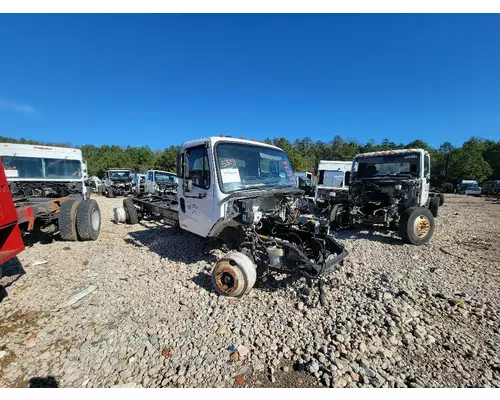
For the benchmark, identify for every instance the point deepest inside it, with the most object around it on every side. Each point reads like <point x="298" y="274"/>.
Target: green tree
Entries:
<point x="468" y="162"/>
<point x="167" y="160"/>
<point x="492" y="157"/>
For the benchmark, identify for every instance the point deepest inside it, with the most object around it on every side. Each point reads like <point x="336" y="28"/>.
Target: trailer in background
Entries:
<point x="47" y="187"/>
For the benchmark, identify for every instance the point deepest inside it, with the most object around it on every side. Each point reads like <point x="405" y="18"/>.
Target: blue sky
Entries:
<point x="158" y="80"/>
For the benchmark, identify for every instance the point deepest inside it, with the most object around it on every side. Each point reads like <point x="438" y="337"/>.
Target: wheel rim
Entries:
<point x="422" y="226"/>
<point x="228" y="278"/>
<point x="96" y="220"/>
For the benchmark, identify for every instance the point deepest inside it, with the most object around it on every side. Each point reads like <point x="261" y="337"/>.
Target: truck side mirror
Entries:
<point x="180" y="162"/>
<point x="185" y="166"/>
<point x="188" y="185"/>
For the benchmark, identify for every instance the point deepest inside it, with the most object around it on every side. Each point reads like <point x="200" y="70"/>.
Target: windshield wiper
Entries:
<point x="14" y="156"/>
<point x="406" y="173"/>
<point x="56" y="162"/>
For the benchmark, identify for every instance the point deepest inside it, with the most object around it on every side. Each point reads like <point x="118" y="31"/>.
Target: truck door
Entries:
<point x="426" y="181"/>
<point x="150" y="181"/>
<point x="196" y="206"/>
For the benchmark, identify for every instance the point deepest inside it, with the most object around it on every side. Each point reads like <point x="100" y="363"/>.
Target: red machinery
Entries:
<point x="11" y="241"/>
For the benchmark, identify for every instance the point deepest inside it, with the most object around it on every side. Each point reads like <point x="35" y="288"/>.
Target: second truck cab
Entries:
<point x="332" y="183"/>
<point x="391" y="189"/>
<point x="159" y="180"/>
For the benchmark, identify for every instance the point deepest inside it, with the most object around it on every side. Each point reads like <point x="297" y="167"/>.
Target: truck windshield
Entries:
<point x="407" y="164"/>
<point x="244" y="166"/>
<point x="119" y="175"/>
<point x="332" y="178"/>
<point x="165" y="177"/>
<point x="42" y="168"/>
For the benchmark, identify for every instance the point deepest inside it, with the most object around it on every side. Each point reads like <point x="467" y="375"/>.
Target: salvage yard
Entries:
<point x="137" y="308"/>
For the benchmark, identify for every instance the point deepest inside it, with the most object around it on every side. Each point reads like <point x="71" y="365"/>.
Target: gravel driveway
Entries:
<point x="136" y="308"/>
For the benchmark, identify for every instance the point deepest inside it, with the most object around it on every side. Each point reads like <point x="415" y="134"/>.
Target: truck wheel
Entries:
<point x="234" y="275"/>
<point x="338" y="217"/>
<point x="131" y="211"/>
<point x="88" y="220"/>
<point x="434" y="206"/>
<point x="67" y="220"/>
<point x="441" y="199"/>
<point x="111" y="193"/>
<point x="417" y="225"/>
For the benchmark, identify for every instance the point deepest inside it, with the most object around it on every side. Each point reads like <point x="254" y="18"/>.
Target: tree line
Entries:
<point x="477" y="158"/>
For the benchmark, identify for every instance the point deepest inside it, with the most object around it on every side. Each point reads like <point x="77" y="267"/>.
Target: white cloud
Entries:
<point x="21" y="108"/>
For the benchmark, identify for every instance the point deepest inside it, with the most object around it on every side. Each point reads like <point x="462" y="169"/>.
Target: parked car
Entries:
<point x="463" y="188"/>
<point x="473" y="190"/>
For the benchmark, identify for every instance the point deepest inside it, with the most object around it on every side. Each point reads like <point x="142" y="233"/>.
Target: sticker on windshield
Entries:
<point x="289" y="172"/>
<point x="230" y="163"/>
<point x="230" y="175"/>
<point x="11" y="173"/>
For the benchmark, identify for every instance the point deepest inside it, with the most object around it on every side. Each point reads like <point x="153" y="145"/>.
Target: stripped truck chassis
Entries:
<point x="297" y="247"/>
<point x="72" y="218"/>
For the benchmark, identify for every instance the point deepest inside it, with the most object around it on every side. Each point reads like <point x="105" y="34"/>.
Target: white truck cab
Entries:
<point x="214" y="169"/>
<point x="29" y="165"/>
<point x="156" y="178"/>
<point x="332" y="182"/>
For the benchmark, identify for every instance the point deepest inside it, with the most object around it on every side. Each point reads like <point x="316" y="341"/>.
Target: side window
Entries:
<point x="426" y="165"/>
<point x="150" y="176"/>
<point x="321" y="177"/>
<point x="199" y="170"/>
<point x="347" y="178"/>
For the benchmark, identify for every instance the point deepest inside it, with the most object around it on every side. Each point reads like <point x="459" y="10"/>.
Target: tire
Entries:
<point x="234" y="275"/>
<point x="434" y="206"/>
<point x="67" y="220"/>
<point x="338" y="217"/>
<point x="131" y="211"/>
<point x="412" y="221"/>
<point x="111" y="193"/>
<point x="88" y="220"/>
<point x="441" y="199"/>
<point x="333" y="216"/>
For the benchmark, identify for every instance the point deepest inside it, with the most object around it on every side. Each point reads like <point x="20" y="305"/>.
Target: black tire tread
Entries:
<point x="434" y="206"/>
<point x="131" y="211"/>
<point x="67" y="220"/>
<point x="84" y="220"/>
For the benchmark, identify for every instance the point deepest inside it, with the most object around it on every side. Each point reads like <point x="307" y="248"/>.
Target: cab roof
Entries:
<point x="227" y="139"/>
<point x="391" y="152"/>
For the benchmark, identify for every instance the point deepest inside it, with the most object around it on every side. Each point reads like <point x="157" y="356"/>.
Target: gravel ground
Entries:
<point x="396" y="315"/>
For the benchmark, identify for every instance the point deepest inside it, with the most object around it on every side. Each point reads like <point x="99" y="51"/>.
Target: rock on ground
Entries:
<point x="396" y="316"/>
